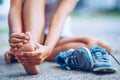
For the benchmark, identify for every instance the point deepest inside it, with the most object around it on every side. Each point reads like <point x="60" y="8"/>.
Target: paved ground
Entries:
<point x="104" y="28"/>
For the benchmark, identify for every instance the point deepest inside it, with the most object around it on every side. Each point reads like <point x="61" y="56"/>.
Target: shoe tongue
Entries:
<point x="95" y="49"/>
<point x="60" y="59"/>
<point x="62" y="56"/>
<point x="63" y="62"/>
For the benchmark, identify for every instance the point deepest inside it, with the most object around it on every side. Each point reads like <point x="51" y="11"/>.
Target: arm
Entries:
<point x="15" y="24"/>
<point x="42" y="52"/>
<point x="14" y="18"/>
<point x="33" y="17"/>
<point x="56" y="26"/>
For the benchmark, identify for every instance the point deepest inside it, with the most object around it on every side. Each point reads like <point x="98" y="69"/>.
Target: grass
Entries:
<point x="6" y="44"/>
<point x="116" y="51"/>
<point x="4" y="30"/>
<point x="95" y="15"/>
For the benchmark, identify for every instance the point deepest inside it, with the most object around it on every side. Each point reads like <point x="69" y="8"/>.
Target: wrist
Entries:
<point x="13" y="32"/>
<point x="46" y="49"/>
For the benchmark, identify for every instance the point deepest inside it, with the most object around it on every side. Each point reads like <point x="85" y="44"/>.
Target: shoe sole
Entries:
<point x="87" y="59"/>
<point x="105" y="70"/>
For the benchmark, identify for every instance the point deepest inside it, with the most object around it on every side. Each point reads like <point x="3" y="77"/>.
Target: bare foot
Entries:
<point x="29" y="47"/>
<point x="9" y="57"/>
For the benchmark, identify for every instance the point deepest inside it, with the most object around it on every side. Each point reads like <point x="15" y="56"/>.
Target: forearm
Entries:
<point x="56" y="26"/>
<point x="14" y="17"/>
<point x="33" y="17"/>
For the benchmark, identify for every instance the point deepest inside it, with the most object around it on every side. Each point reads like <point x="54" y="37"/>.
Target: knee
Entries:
<point x="105" y="45"/>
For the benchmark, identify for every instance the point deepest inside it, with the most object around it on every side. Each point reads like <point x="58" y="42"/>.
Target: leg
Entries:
<point x="35" y="25"/>
<point x="65" y="44"/>
<point x="33" y="19"/>
<point x="31" y="23"/>
<point x="15" y="26"/>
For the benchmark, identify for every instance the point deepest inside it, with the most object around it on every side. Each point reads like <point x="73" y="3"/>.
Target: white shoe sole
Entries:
<point x="105" y="69"/>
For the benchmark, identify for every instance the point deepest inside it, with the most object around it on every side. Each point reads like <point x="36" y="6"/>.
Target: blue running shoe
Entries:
<point x="101" y="60"/>
<point x="78" y="59"/>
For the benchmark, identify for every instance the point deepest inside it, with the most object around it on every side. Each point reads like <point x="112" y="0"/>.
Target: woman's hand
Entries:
<point x="36" y="57"/>
<point x="17" y="40"/>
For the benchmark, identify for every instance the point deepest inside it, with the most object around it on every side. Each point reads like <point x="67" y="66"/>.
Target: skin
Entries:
<point x="26" y="19"/>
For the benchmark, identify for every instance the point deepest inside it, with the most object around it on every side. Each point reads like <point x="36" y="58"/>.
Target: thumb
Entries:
<point x="28" y="34"/>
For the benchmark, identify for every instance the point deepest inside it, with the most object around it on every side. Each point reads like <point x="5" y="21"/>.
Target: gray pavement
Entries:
<point x="103" y="28"/>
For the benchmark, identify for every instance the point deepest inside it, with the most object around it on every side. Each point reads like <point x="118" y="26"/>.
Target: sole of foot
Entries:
<point x="29" y="47"/>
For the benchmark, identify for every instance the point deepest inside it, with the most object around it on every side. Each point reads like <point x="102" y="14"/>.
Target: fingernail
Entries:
<point x="25" y="41"/>
<point x="26" y="37"/>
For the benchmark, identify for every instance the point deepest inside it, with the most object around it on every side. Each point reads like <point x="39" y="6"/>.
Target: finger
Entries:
<point x="37" y="45"/>
<point x="14" y="49"/>
<point x="24" y="56"/>
<point x="19" y="45"/>
<point x="27" y="54"/>
<point x="24" y="63"/>
<point x="35" y="63"/>
<point x="33" y="58"/>
<point x="25" y="41"/>
<point x="12" y="45"/>
<point x="34" y="55"/>
<point x="19" y="35"/>
<point x="31" y="54"/>
<point x="15" y="40"/>
<point x="30" y="59"/>
<point x="28" y="34"/>
<point x="32" y="63"/>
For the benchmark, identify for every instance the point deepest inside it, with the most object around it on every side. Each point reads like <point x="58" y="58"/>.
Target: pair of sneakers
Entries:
<point x="96" y="59"/>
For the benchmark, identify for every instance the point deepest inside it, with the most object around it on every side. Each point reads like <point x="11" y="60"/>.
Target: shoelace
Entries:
<point x="111" y="55"/>
<point x="99" y="56"/>
<point x="72" y="60"/>
<point x="115" y="59"/>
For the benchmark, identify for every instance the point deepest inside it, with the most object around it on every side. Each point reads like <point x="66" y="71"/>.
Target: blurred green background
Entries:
<point x="97" y="18"/>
